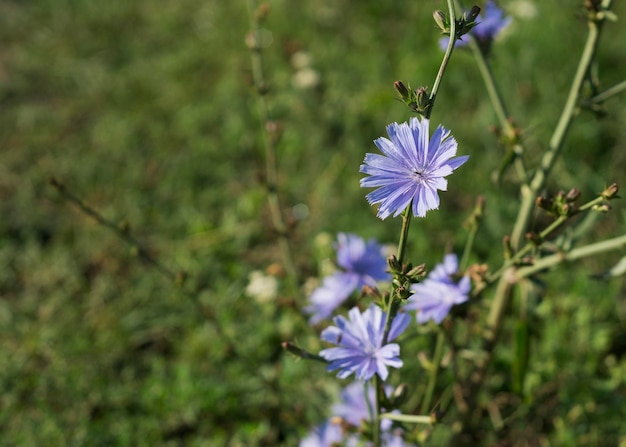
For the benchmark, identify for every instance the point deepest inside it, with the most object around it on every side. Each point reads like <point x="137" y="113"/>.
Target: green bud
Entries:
<point x="473" y="14"/>
<point x="442" y="21"/>
<point x="544" y="203"/>
<point x="610" y="192"/>
<point x="422" y="100"/>
<point x="572" y="195"/>
<point x="404" y="92"/>
<point x="602" y="208"/>
<point x="593" y="5"/>
<point x="468" y="21"/>
<point x="416" y="273"/>
<point x="262" y="12"/>
<point x="394" y="265"/>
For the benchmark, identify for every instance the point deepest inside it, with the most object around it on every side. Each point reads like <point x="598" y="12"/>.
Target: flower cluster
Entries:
<point x="362" y="263"/>
<point x="407" y="177"/>
<point x="434" y="297"/>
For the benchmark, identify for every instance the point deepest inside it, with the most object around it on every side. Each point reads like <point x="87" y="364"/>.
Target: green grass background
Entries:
<point x="144" y="109"/>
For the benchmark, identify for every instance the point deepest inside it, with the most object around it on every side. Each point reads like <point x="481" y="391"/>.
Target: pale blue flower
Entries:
<point x="412" y="168"/>
<point x="327" y="434"/>
<point x="360" y="340"/>
<point x="354" y="410"/>
<point x="363" y="263"/>
<point x="434" y="297"/>
<point x="355" y="404"/>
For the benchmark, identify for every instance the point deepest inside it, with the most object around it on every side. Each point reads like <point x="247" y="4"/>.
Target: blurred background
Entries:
<point x="145" y="111"/>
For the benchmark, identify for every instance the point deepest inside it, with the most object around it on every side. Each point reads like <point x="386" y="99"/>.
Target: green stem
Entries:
<point x="473" y="222"/>
<point x="394" y="303"/>
<point x="558" y="137"/>
<point x="404" y="233"/>
<point x="378" y="388"/>
<point x="508" y="276"/>
<point x="617" y="243"/>
<point x="542" y="235"/>
<point x="499" y="108"/>
<point x="409" y="418"/>
<point x="390" y="312"/>
<point x="607" y="94"/>
<point x="433" y="373"/>
<point x="446" y="59"/>
<point x="467" y="250"/>
<point x="271" y="164"/>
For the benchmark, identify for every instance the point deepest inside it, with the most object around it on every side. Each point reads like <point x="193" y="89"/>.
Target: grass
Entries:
<point x="145" y="111"/>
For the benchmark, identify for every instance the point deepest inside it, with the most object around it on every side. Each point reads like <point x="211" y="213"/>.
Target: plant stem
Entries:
<point x="446" y="59"/>
<point x="617" y="243"/>
<point x="607" y="94"/>
<point x="519" y="255"/>
<point x="271" y="164"/>
<point x="473" y="222"/>
<point x="558" y="137"/>
<point x="390" y="313"/>
<point x="499" y="108"/>
<point x="434" y="371"/>
<point x="404" y="233"/>
<point x="508" y="276"/>
<point x="378" y="388"/>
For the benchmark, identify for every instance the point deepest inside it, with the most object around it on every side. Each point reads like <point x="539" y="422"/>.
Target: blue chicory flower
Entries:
<point x="489" y="25"/>
<point x="330" y="434"/>
<point x="354" y="408"/>
<point x="327" y="434"/>
<point x="363" y="263"/>
<point x="360" y="341"/>
<point x="434" y="297"/>
<point x="412" y="169"/>
<point x="356" y="404"/>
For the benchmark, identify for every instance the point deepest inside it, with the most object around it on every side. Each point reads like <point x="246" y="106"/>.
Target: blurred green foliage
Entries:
<point x="145" y="110"/>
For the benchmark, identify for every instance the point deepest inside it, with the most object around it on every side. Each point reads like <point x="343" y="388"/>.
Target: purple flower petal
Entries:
<point x="434" y="297"/>
<point x="363" y="263"/>
<point x="360" y="350"/>
<point x="411" y="169"/>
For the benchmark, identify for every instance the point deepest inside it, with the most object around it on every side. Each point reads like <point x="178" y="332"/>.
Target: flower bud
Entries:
<point x="602" y="208"/>
<point x="473" y="13"/>
<point x="262" y="12"/>
<point x="593" y="5"/>
<point x="544" y="203"/>
<point x="422" y="100"/>
<point x="417" y="273"/>
<point x="468" y="21"/>
<point x="442" y="21"/>
<point x="610" y="192"/>
<point x="404" y="92"/>
<point x="394" y="264"/>
<point x="572" y="195"/>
